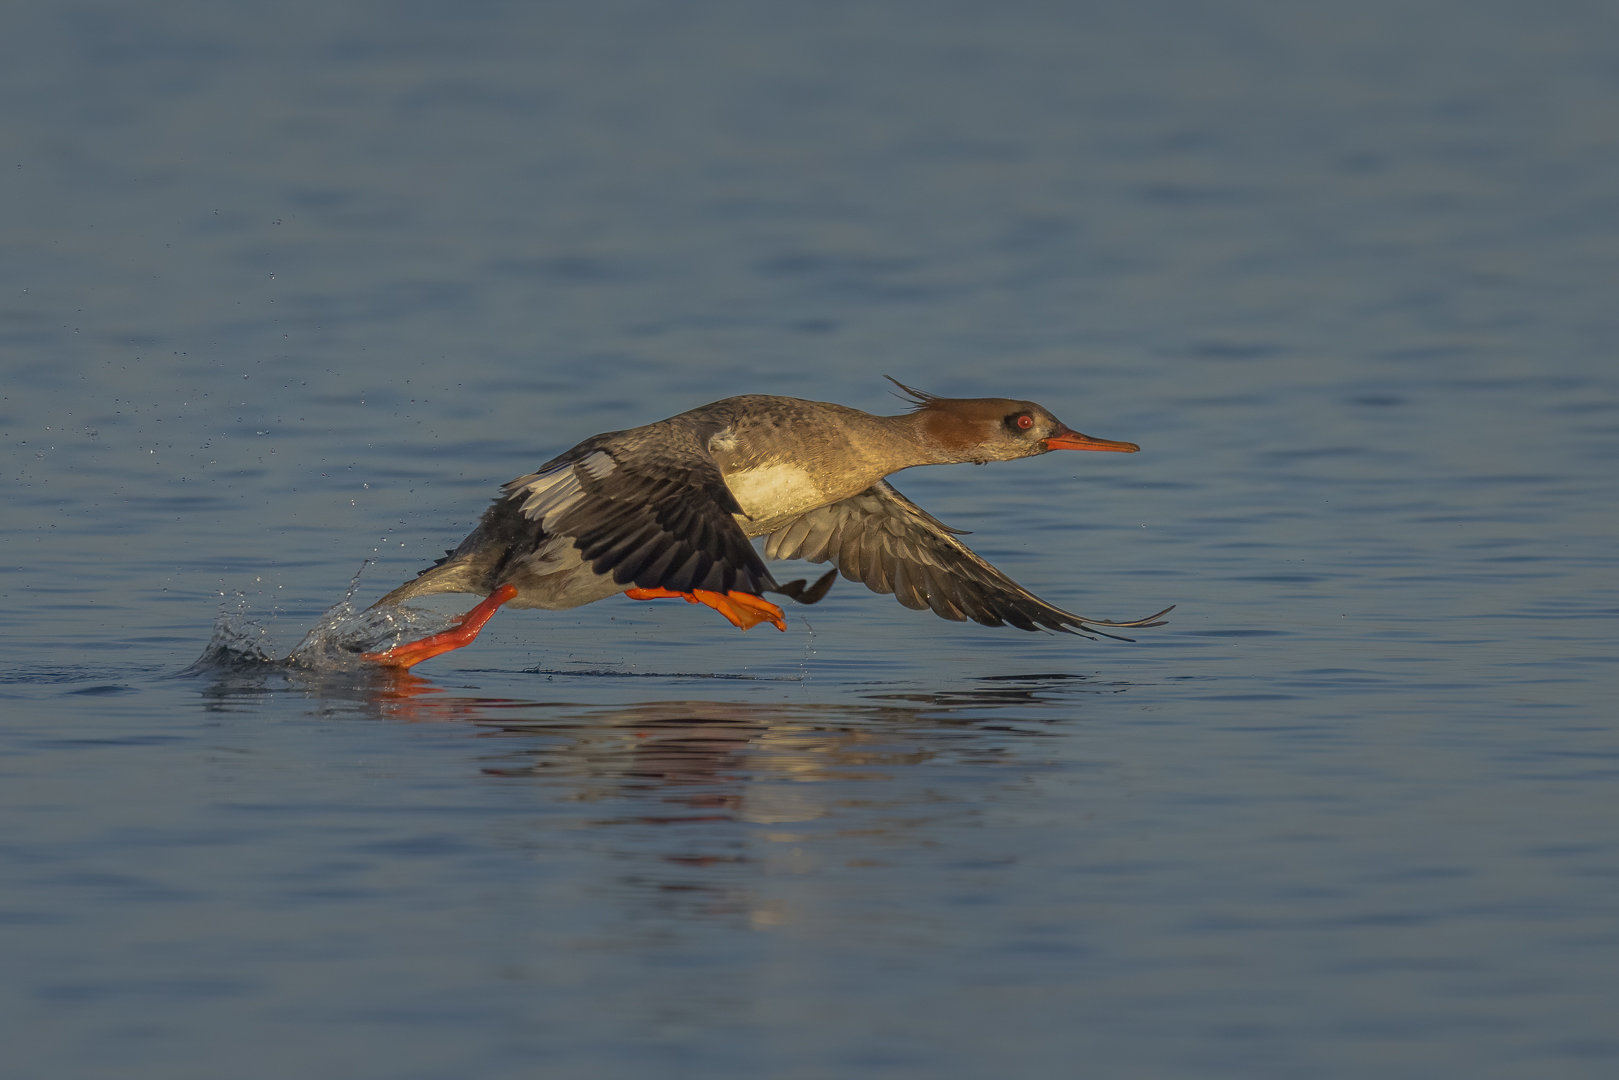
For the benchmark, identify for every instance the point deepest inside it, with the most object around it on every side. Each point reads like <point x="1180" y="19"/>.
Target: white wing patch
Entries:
<point x="597" y="464"/>
<point x="551" y="494"/>
<point x="771" y="491"/>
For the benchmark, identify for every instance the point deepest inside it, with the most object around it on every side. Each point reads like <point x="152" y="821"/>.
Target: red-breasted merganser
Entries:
<point x="669" y="509"/>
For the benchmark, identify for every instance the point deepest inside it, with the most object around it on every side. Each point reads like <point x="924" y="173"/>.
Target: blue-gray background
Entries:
<point x="291" y="285"/>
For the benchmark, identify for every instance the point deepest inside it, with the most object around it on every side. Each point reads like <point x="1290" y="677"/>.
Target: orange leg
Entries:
<point x="461" y="632"/>
<point x="743" y="609"/>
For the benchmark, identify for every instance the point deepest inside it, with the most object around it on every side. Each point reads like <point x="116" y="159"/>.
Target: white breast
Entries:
<point x="770" y="491"/>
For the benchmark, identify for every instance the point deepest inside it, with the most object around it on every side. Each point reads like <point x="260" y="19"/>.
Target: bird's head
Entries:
<point x="997" y="429"/>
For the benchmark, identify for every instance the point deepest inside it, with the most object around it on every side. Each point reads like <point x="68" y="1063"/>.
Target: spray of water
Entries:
<point x="333" y="644"/>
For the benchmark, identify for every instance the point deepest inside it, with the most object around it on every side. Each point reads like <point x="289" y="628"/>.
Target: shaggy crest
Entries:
<point x="919" y="398"/>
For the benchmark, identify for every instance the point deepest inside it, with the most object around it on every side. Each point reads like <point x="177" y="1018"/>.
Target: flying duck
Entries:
<point x="669" y="509"/>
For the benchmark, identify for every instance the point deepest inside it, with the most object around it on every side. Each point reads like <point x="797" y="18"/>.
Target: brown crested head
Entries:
<point x="995" y="429"/>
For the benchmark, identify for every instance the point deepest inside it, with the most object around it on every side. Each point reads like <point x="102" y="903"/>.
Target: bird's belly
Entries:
<point x="555" y="578"/>
<point x="773" y="491"/>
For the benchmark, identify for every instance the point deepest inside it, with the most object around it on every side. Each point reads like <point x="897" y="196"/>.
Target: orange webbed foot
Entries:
<point x="744" y="610"/>
<point x="461" y="633"/>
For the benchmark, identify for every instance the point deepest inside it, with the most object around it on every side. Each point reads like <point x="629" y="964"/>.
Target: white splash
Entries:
<point x="335" y="643"/>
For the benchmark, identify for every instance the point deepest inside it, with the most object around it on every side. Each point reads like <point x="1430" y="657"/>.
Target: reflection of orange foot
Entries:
<point x="462" y="632"/>
<point x="743" y="609"/>
<point x="398" y="684"/>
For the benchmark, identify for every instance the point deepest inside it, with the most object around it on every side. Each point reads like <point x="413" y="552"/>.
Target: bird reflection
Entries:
<point x="704" y="802"/>
<point x="700" y="803"/>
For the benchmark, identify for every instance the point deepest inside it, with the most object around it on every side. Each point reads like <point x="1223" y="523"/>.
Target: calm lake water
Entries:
<point x="293" y="286"/>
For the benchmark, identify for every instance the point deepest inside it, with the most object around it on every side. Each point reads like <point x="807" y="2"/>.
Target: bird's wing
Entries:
<point x="881" y="538"/>
<point x="652" y="520"/>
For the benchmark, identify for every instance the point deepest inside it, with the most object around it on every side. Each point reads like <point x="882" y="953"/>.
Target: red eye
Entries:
<point x="1025" y="421"/>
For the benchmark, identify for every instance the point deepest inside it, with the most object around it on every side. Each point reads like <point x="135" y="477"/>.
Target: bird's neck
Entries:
<point x="934" y="437"/>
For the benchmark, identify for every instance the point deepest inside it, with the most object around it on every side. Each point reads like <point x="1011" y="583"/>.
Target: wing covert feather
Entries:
<point x="654" y="512"/>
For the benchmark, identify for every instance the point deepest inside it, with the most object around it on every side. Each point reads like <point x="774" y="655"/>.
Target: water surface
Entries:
<point x="292" y="288"/>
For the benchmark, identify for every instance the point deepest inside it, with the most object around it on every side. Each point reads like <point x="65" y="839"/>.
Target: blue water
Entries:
<point x="290" y="289"/>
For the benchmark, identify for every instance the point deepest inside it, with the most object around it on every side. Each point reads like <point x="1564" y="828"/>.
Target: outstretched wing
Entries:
<point x="651" y="520"/>
<point x="881" y="538"/>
